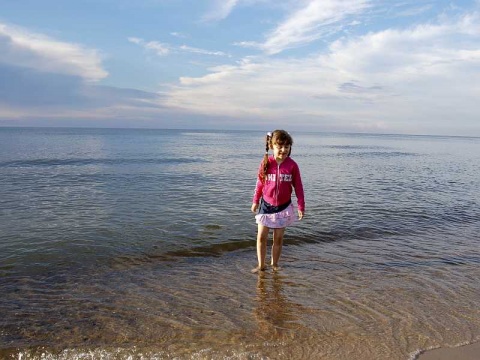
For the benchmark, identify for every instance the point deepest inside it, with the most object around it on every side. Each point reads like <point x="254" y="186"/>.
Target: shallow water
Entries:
<point x="135" y="243"/>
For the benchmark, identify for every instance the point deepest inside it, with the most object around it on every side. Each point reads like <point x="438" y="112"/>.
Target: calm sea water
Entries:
<point x="139" y="243"/>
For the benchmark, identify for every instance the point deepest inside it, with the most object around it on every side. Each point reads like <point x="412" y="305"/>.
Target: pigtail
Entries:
<point x="263" y="172"/>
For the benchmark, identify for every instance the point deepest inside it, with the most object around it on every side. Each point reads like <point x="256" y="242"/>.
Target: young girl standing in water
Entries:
<point x="277" y="176"/>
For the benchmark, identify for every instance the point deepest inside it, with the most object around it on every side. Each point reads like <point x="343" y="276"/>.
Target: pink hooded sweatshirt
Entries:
<point x="277" y="189"/>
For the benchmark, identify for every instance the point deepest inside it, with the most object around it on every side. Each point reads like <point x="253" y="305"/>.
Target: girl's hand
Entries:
<point x="300" y="215"/>
<point x="254" y="208"/>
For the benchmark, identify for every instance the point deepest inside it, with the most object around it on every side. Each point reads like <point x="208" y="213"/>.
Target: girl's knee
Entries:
<point x="278" y="234"/>
<point x="262" y="239"/>
<point x="277" y="242"/>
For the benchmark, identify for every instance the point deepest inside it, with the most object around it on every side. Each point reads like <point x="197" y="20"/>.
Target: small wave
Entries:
<point x="219" y="249"/>
<point x="380" y="154"/>
<point x="212" y="249"/>
<point x="86" y="162"/>
<point x="40" y="352"/>
<point x="417" y="355"/>
<point x="355" y="147"/>
<point x="412" y="263"/>
<point x="206" y="134"/>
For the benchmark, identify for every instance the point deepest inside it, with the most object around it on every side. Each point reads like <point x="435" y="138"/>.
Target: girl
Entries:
<point x="277" y="175"/>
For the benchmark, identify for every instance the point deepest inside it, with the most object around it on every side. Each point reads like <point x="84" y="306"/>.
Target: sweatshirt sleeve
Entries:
<point x="298" y="186"/>
<point x="258" y="192"/>
<point x="258" y="189"/>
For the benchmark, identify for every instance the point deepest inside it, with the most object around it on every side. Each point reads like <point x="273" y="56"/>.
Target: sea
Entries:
<point x="139" y="244"/>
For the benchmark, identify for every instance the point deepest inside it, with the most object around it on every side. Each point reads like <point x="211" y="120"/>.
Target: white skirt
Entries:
<point x="278" y="220"/>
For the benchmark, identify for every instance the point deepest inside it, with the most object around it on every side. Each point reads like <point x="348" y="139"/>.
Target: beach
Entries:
<point x="467" y="352"/>
<point x="124" y="244"/>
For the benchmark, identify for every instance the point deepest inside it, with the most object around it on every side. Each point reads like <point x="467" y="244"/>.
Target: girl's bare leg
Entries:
<point x="277" y="246"/>
<point x="262" y="236"/>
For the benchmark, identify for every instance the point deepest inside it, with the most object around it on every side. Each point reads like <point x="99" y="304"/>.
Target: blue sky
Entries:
<point x="377" y="66"/>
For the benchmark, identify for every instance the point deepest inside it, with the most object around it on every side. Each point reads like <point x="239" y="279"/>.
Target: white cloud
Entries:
<point x="155" y="46"/>
<point x="220" y="10"/>
<point x="164" y="49"/>
<point x="178" y="35"/>
<point x="202" y="51"/>
<point x="248" y="44"/>
<point x="311" y="22"/>
<point x="43" y="77"/>
<point x="414" y="10"/>
<point x="21" y="47"/>
<point x="379" y="80"/>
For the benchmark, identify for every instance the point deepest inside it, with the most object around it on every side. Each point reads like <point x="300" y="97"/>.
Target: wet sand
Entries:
<point x="467" y="352"/>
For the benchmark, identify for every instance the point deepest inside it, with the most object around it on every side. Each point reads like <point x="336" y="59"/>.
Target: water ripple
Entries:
<point x="85" y="162"/>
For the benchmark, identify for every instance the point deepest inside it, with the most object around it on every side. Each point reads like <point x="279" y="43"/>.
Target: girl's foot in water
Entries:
<point x="258" y="269"/>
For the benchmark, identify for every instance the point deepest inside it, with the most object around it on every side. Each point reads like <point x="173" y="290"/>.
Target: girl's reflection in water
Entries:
<point x="276" y="315"/>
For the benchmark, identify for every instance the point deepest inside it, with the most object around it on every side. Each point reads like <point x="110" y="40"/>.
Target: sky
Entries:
<point x="374" y="66"/>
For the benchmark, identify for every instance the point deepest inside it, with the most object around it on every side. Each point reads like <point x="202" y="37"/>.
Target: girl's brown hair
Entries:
<point x="280" y="137"/>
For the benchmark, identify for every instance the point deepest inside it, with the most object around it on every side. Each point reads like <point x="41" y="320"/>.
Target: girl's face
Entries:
<point x="281" y="151"/>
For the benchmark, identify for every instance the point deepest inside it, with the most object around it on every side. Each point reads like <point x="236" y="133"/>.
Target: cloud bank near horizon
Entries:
<point x="317" y="65"/>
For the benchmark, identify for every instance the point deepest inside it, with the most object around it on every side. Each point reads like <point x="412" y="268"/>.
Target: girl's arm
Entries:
<point x="298" y="186"/>
<point x="258" y="190"/>
<point x="257" y="195"/>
